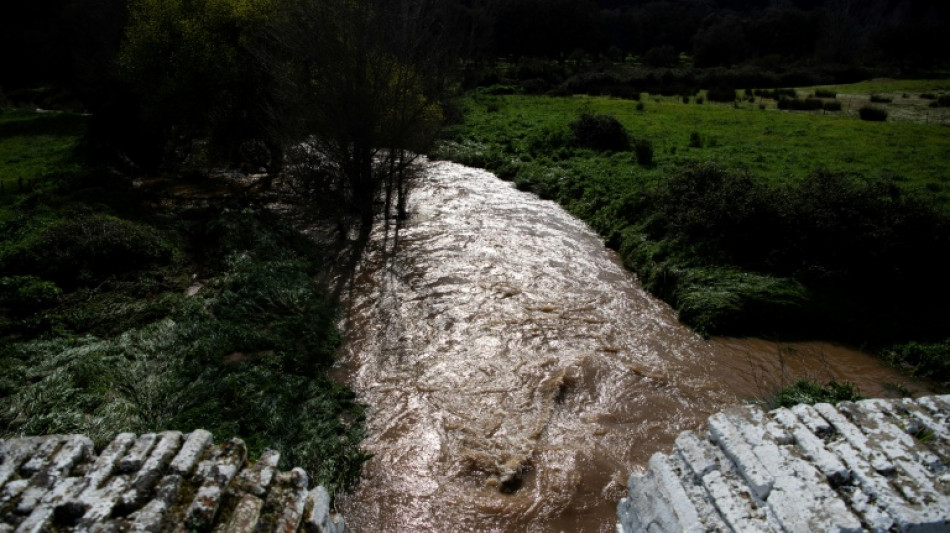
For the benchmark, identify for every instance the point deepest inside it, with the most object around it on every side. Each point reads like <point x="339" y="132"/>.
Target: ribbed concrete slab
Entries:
<point x="872" y="465"/>
<point x="153" y="483"/>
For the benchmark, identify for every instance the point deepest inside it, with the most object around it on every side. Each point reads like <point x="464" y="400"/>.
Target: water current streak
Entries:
<point x="516" y="373"/>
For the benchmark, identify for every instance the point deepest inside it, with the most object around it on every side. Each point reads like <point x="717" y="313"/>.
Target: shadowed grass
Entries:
<point x="33" y="145"/>
<point x="99" y="336"/>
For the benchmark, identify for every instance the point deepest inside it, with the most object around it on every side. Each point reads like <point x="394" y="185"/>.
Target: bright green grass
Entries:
<point x="887" y="85"/>
<point x="33" y="145"/>
<point x="774" y="145"/>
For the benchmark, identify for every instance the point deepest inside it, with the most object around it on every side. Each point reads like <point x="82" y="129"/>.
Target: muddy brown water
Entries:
<point x="516" y="373"/>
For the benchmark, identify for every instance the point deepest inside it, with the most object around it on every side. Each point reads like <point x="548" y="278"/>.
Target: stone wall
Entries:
<point x="154" y="482"/>
<point x="873" y="465"/>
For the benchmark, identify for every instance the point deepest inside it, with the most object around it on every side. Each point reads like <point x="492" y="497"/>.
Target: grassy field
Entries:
<point x="746" y="218"/>
<point x="771" y="144"/>
<point x="34" y="145"/>
<point x="117" y="316"/>
<point x="893" y="86"/>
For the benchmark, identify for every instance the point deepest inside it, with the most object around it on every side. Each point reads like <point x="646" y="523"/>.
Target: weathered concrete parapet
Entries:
<point x="154" y="483"/>
<point x="872" y="465"/>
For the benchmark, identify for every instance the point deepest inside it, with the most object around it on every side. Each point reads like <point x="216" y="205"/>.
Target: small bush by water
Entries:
<point x="812" y="392"/>
<point x="926" y="360"/>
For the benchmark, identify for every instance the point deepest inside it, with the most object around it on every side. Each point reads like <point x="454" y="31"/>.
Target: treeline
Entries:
<point x="75" y="42"/>
<point x="184" y="86"/>
<point x="904" y="34"/>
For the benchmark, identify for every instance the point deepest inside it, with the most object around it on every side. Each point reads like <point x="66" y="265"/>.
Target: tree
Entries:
<point x="721" y="42"/>
<point x="201" y="72"/>
<point x="370" y="99"/>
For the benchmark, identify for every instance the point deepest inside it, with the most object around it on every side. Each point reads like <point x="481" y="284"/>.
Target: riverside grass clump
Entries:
<point x="773" y="223"/>
<point x="927" y="360"/>
<point x="811" y="392"/>
<point x="183" y="319"/>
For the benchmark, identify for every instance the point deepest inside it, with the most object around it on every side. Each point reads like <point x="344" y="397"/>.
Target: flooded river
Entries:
<point x="516" y="373"/>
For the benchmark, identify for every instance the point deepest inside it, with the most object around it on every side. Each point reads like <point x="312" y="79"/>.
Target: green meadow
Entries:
<point x="773" y="145"/>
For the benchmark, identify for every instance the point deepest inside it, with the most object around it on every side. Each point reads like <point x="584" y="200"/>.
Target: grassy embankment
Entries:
<point x="99" y="335"/>
<point x="749" y="220"/>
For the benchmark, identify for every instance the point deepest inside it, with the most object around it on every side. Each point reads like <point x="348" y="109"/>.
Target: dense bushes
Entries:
<point x="740" y="249"/>
<point x="23" y="295"/>
<point x="600" y="132"/>
<point x="644" y="150"/>
<point x="85" y="250"/>
<point x="797" y="104"/>
<point x="775" y="94"/>
<point x="721" y="94"/>
<point x="872" y="114"/>
<point x="630" y="84"/>
<point x="942" y="101"/>
<point x="925" y="360"/>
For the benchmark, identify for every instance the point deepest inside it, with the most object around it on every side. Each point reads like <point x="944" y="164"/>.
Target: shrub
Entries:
<point x="644" y="150"/>
<point x="661" y="56"/>
<point x="547" y="139"/>
<point x="721" y="94"/>
<point x="695" y="141"/>
<point x="942" y="101"/>
<point x="27" y="294"/>
<point x="812" y="392"/>
<point x="795" y="104"/>
<point x="832" y="106"/>
<point x="775" y="94"/>
<point x="87" y="250"/>
<point x="879" y="99"/>
<point x="600" y="132"/>
<point x="872" y="114"/>
<point x="717" y="299"/>
<point x="930" y="361"/>
<point x="825" y="93"/>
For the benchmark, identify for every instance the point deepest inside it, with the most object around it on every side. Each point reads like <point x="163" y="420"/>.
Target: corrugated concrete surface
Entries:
<point x="872" y="465"/>
<point x="154" y="482"/>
